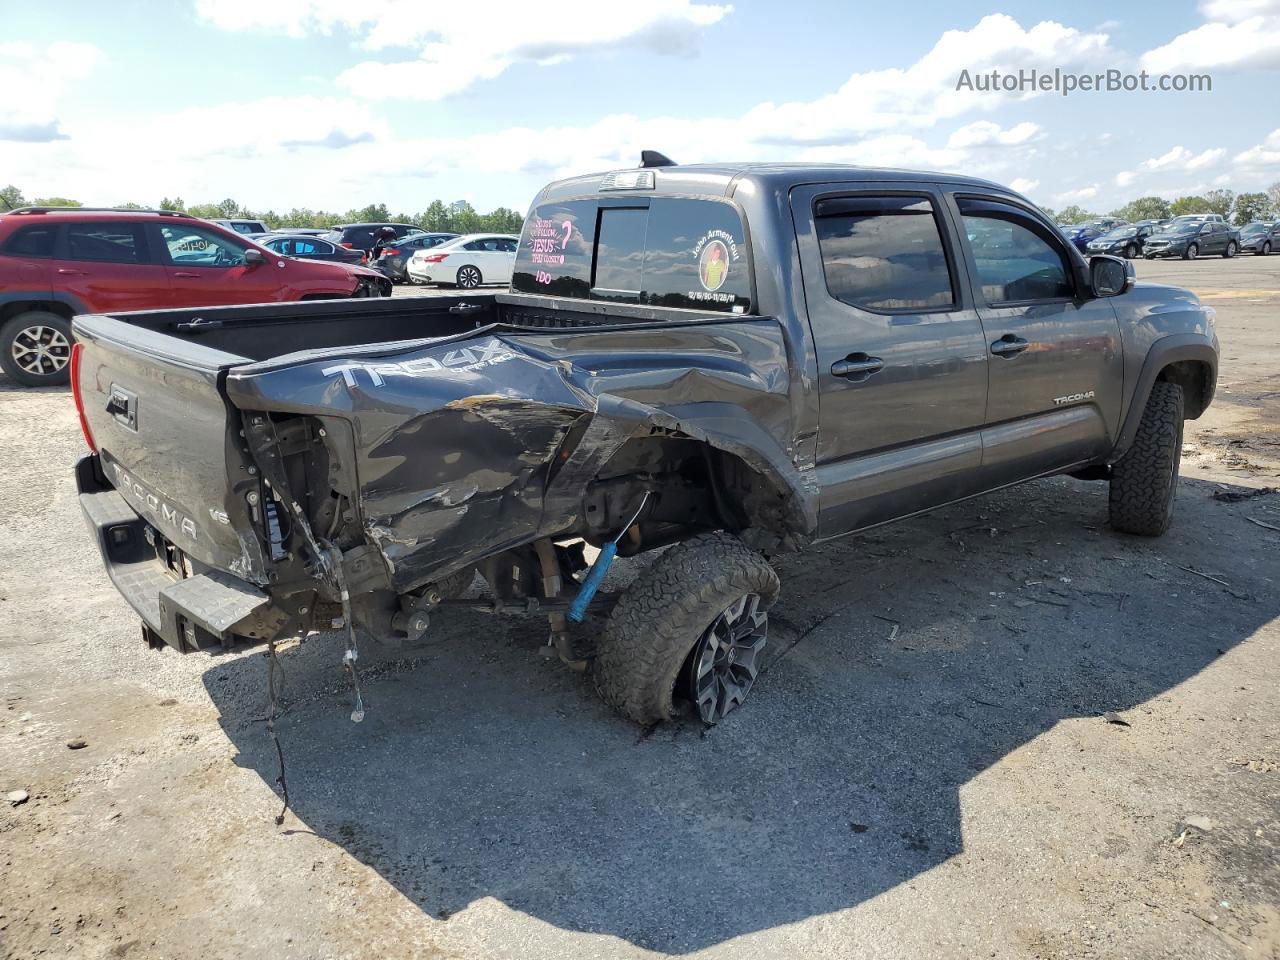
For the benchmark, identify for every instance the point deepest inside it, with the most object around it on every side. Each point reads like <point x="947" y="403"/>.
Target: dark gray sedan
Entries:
<point x="1260" y="238"/>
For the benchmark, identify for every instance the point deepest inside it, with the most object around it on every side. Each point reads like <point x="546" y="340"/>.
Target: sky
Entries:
<point x="335" y="104"/>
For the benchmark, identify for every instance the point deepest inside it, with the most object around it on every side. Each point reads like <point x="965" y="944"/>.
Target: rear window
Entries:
<point x="32" y="242"/>
<point x="660" y="251"/>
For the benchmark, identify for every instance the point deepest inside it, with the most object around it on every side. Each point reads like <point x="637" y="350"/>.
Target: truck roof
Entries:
<point x="720" y="179"/>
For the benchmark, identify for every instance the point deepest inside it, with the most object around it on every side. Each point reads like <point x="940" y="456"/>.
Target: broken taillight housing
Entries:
<point x="74" y="369"/>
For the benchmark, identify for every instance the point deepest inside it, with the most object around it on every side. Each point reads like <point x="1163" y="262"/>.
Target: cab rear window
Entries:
<point x="659" y="251"/>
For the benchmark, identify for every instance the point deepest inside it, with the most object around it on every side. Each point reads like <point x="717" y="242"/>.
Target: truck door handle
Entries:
<point x="1009" y="345"/>
<point x="187" y="276"/>
<point x="857" y="367"/>
<point x="64" y="271"/>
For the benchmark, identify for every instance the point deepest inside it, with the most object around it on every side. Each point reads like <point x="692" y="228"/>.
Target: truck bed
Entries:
<point x="440" y="430"/>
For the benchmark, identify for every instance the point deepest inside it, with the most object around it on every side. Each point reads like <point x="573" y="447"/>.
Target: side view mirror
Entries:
<point x="1207" y="228"/>
<point x="253" y="257"/>
<point x="1110" y="276"/>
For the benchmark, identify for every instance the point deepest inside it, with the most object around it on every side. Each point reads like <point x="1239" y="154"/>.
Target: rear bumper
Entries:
<point x="209" y="608"/>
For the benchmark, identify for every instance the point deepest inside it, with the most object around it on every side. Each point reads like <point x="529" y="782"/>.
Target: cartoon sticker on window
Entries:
<point x="713" y="265"/>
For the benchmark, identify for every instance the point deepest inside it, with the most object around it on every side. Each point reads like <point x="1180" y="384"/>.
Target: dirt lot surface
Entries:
<point x="925" y="770"/>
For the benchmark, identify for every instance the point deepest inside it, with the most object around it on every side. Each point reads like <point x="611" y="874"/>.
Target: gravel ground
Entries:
<point x="924" y="770"/>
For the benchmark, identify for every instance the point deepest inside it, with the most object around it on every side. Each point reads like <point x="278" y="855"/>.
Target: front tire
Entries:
<point x="1230" y="252"/>
<point x="1191" y="252"/>
<point x="1130" y="252"/>
<point x="469" y="277"/>
<point x="1266" y="247"/>
<point x="1145" y="480"/>
<point x="35" y="348"/>
<point x="705" y="598"/>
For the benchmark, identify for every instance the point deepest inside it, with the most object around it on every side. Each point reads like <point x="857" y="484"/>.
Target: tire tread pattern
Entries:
<point x="1144" y="481"/>
<point x="657" y="621"/>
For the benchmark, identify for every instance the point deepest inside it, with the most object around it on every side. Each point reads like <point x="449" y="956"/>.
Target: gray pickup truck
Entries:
<point x="726" y="361"/>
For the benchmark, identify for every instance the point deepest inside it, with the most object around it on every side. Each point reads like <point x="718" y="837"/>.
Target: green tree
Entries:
<point x="1074" y="214"/>
<point x="373" y="213"/>
<point x="1144" y="208"/>
<point x="503" y="220"/>
<point x="229" y="208"/>
<point x="130" y="205"/>
<point x="207" y="211"/>
<point x="174" y="204"/>
<point x="1250" y="207"/>
<point x="1183" y="206"/>
<point x="1220" y="202"/>
<point x="435" y="218"/>
<point x="55" y="202"/>
<point x="11" y="198"/>
<point x="1273" y="192"/>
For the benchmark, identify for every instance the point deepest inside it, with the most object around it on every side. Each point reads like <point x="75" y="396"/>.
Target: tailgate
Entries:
<point x="169" y="441"/>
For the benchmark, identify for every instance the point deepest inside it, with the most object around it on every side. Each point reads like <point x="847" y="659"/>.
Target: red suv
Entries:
<point x="59" y="262"/>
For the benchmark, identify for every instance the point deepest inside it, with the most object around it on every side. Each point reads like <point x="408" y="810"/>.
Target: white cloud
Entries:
<point x="924" y="94"/>
<point x="1177" y="160"/>
<point x="985" y="133"/>
<point x="1075" y="196"/>
<point x="460" y="44"/>
<point x="33" y="80"/>
<point x="1261" y="157"/>
<point x="1023" y="185"/>
<point x="1239" y="34"/>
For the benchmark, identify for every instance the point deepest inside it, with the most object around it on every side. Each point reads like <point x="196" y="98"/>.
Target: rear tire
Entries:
<point x="1230" y="252"/>
<point x="668" y="612"/>
<point x="35" y="348"/>
<point x="469" y="277"/>
<point x="1145" y="481"/>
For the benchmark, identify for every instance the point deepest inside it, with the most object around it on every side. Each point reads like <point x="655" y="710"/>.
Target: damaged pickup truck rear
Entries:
<point x="728" y="362"/>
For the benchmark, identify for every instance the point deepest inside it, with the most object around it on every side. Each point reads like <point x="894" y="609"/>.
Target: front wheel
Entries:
<point x="694" y="625"/>
<point x="1144" y="481"/>
<point x="35" y="348"/>
<point x="1130" y="252"/>
<point x="1230" y="251"/>
<point x="1191" y="252"/>
<point x="1266" y="247"/>
<point x="469" y="277"/>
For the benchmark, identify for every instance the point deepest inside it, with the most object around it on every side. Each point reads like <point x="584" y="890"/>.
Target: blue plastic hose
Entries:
<point x="595" y="576"/>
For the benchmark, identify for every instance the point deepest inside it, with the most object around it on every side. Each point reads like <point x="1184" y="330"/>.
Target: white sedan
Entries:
<point x="467" y="262"/>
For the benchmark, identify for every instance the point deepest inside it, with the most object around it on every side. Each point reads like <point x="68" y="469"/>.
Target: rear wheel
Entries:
<point x="469" y="277"/>
<point x="1145" y="480"/>
<point x="35" y="348"/>
<point x="694" y="624"/>
<point x="1230" y="251"/>
<point x="1191" y="252"/>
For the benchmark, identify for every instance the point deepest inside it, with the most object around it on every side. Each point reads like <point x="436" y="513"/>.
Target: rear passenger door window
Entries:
<point x="106" y="242"/>
<point x="884" y="253"/>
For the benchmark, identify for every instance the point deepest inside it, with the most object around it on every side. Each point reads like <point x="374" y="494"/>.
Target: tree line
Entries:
<point x="438" y="217"/>
<point x="1238" y="208"/>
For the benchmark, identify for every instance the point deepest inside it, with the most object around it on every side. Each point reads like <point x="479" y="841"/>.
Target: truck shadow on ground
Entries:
<point x="906" y="662"/>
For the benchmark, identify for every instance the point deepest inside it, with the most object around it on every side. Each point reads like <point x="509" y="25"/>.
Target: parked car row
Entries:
<point x="56" y="263"/>
<point x="1187" y="236"/>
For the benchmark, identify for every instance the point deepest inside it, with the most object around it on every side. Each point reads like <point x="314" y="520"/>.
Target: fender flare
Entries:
<point x="1167" y="350"/>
